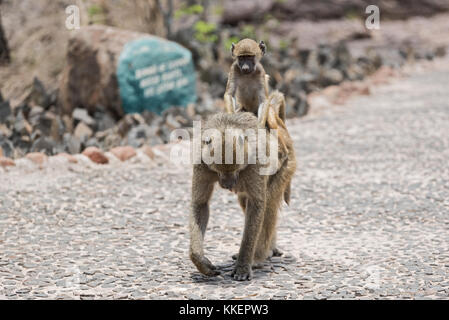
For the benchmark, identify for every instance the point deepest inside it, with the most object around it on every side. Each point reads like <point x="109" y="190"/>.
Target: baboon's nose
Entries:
<point x="227" y="183"/>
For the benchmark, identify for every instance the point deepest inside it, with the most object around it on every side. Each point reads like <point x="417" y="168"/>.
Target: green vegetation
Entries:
<point x="352" y="14"/>
<point x="228" y="42"/>
<point x="96" y="14"/>
<point x="191" y="10"/>
<point x="94" y="10"/>
<point x="284" y="44"/>
<point x="248" y="31"/>
<point x="218" y="10"/>
<point x="205" y="32"/>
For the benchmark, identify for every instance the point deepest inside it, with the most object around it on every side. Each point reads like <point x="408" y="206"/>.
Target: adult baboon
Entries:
<point x="260" y="196"/>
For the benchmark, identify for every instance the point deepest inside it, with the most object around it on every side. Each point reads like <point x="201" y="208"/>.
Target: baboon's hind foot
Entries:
<point x="273" y="253"/>
<point x="276" y="253"/>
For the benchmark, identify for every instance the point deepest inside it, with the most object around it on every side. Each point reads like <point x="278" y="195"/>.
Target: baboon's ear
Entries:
<point x="232" y="49"/>
<point x="262" y="47"/>
<point x="207" y="140"/>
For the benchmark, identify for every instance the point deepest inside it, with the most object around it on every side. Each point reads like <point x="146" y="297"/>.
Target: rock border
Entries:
<point x="331" y="95"/>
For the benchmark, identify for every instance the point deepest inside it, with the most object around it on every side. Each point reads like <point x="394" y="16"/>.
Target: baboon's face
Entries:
<point x="227" y="172"/>
<point x="228" y="180"/>
<point x="247" y="64"/>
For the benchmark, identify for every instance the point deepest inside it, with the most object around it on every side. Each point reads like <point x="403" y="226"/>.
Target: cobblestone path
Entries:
<point x="369" y="216"/>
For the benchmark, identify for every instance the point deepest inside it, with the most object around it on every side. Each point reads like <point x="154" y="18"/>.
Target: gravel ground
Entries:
<point x="369" y="216"/>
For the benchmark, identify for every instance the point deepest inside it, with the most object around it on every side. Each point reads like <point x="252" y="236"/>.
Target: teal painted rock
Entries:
<point x="154" y="74"/>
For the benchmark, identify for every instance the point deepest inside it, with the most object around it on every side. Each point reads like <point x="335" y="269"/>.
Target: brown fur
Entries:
<point x="248" y="47"/>
<point x="260" y="197"/>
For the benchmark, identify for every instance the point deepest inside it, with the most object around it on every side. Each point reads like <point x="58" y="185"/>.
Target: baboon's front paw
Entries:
<point x="205" y="266"/>
<point x="242" y="273"/>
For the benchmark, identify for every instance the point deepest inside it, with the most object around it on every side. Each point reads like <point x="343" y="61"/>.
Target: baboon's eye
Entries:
<point x="207" y="140"/>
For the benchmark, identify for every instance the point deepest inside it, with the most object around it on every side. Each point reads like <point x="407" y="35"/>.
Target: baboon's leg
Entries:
<point x="272" y="122"/>
<point x="274" y="250"/>
<point x="231" y="88"/>
<point x="281" y="110"/>
<point x="242" y="201"/>
<point x="268" y="232"/>
<point x="253" y="222"/>
<point x="282" y="152"/>
<point x="202" y="188"/>
<point x="275" y="192"/>
<point x="291" y="168"/>
<point x="275" y="120"/>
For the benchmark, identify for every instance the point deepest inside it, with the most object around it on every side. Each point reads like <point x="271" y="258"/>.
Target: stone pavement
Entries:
<point x="369" y="216"/>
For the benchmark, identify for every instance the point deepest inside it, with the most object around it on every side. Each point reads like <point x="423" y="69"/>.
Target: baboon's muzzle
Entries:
<point x="246" y="69"/>
<point x="228" y="181"/>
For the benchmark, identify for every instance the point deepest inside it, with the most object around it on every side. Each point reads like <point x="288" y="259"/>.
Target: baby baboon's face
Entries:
<point x="247" y="64"/>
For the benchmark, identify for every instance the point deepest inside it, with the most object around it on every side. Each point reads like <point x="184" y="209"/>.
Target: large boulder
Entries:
<point x="125" y="72"/>
<point x="155" y="74"/>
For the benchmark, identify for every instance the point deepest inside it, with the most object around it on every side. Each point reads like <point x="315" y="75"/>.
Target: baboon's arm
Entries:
<point x="231" y="88"/>
<point x="277" y="101"/>
<point x="255" y="209"/>
<point x="202" y="188"/>
<point x="262" y="113"/>
<point x="264" y="106"/>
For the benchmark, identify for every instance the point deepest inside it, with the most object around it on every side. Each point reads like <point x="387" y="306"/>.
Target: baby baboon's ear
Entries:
<point x="232" y="49"/>
<point x="262" y="47"/>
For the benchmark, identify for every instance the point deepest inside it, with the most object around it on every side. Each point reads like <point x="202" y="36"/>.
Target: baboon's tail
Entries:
<point x="287" y="193"/>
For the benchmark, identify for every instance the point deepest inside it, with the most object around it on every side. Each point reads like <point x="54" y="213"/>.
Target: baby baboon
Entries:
<point x="247" y="79"/>
<point x="248" y="82"/>
<point x="260" y="196"/>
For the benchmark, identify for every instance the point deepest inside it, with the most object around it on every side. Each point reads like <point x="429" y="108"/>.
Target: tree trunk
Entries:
<point x="154" y="19"/>
<point x="167" y="15"/>
<point x="4" y="49"/>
